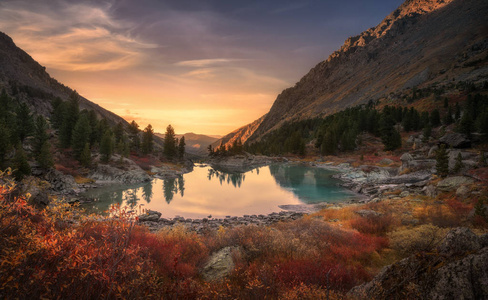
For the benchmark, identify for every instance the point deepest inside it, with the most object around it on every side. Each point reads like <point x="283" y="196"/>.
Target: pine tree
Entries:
<point x="390" y="137"/>
<point x="24" y="122"/>
<point x="133" y="129"/>
<point x="80" y="136"/>
<point x="435" y="118"/>
<point x="58" y="112"/>
<point x="85" y="156"/>
<point x="442" y="161"/>
<point x="20" y="164"/>
<point x="40" y="135"/>
<point x="210" y="150"/>
<point x="106" y="146"/>
<point x="181" y="148"/>
<point x="459" y="163"/>
<point x="5" y="144"/>
<point x="70" y="118"/>
<point x="45" y="158"/>
<point x="147" y="140"/>
<point x="169" y="149"/>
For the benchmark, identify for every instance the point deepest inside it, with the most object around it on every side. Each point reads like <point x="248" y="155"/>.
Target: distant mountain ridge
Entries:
<point x="21" y="76"/>
<point x="423" y="42"/>
<point x="196" y="144"/>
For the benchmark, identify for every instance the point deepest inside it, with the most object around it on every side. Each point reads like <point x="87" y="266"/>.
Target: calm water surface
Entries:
<point x="207" y="191"/>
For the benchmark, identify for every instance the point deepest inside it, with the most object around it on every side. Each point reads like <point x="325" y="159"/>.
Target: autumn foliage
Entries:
<point x="60" y="252"/>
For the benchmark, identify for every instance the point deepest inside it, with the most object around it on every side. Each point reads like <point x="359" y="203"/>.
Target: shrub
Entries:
<point x="424" y="238"/>
<point x="377" y="225"/>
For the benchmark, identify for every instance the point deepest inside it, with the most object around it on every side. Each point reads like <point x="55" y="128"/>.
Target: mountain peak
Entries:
<point x="421" y="43"/>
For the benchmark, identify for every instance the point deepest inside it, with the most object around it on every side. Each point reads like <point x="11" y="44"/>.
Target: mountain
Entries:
<point x="196" y="144"/>
<point x="423" y="43"/>
<point x="21" y="76"/>
<point x="242" y="133"/>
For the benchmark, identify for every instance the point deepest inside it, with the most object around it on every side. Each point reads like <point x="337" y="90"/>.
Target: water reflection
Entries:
<point x="311" y="185"/>
<point x="219" y="192"/>
<point x="235" y="178"/>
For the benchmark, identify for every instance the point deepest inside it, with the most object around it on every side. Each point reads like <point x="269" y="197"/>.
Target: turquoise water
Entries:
<point x="207" y="191"/>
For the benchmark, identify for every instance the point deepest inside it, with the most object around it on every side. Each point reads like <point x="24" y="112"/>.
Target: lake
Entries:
<point x="207" y="191"/>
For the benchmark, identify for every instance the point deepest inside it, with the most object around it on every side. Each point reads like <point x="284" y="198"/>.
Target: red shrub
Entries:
<point x="315" y="272"/>
<point x="377" y="225"/>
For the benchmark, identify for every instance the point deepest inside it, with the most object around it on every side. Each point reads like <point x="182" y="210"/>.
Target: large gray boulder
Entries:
<point x="453" y="183"/>
<point x="458" y="271"/>
<point x="59" y="182"/>
<point x="150" y="215"/>
<point x="455" y="140"/>
<point x="219" y="265"/>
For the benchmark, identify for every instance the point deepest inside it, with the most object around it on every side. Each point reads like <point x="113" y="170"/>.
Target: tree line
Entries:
<point x="340" y="132"/>
<point x="82" y="131"/>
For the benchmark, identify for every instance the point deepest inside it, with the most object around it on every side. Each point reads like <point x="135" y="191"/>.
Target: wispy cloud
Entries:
<point x="80" y="37"/>
<point x="198" y="63"/>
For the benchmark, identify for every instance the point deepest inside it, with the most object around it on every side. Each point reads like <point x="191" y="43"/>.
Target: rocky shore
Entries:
<point x="153" y="220"/>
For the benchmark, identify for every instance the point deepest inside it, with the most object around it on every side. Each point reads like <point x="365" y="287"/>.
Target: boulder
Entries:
<point x="430" y="191"/>
<point x="453" y="183"/>
<point x="150" y="215"/>
<point x="463" y="191"/>
<point x="455" y="140"/>
<point x="219" y="265"/>
<point x="433" y="151"/>
<point x="459" y="271"/>
<point x="459" y="241"/>
<point x="59" y="182"/>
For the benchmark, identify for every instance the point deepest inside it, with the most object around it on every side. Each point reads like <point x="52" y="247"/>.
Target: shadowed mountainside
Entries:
<point x="21" y="76"/>
<point x="422" y="43"/>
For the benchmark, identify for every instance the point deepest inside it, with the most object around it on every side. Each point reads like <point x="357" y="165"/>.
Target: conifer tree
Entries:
<point x="20" y="164"/>
<point x="147" y="140"/>
<point x="390" y="137"/>
<point x="24" y="122"/>
<point x="459" y="163"/>
<point x="448" y="120"/>
<point x="40" y="135"/>
<point x="427" y="132"/>
<point x="58" y="112"/>
<point x="45" y="158"/>
<point x="442" y="161"/>
<point x="71" y="115"/>
<point x="5" y="144"/>
<point x="80" y="136"/>
<point x="169" y="148"/>
<point x="106" y="146"/>
<point x="133" y="129"/>
<point x="435" y="118"/>
<point x="85" y="156"/>
<point x="181" y="148"/>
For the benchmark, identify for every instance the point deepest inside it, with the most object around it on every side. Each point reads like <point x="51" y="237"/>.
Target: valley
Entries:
<point x="367" y="179"/>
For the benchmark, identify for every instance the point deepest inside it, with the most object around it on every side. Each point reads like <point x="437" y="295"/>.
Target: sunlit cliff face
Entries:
<point x="198" y="66"/>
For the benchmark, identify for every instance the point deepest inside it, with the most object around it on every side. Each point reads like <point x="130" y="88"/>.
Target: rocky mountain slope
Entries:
<point x="243" y="133"/>
<point x="422" y="43"/>
<point x="21" y="76"/>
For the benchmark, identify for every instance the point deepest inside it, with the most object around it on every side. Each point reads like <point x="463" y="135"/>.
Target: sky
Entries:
<point x="203" y="66"/>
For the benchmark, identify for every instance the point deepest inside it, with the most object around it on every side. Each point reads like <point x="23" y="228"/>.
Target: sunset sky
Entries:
<point x="203" y="66"/>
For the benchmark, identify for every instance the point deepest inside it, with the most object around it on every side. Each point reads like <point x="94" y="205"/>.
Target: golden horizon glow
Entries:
<point x="203" y="66"/>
